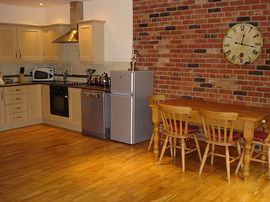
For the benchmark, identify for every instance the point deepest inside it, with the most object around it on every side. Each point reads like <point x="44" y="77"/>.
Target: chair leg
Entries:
<point x="240" y="163"/>
<point x="269" y="162"/>
<point x="183" y="152"/>
<point x="228" y="163"/>
<point x="238" y="148"/>
<point x="171" y="147"/>
<point x="212" y="154"/>
<point x="252" y="149"/>
<point x="198" y="147"/>
<point x="204" y="158"/>
<point x="151" y="142"/>
<point x="174" y="146"/>
<point x="163" y="149"/>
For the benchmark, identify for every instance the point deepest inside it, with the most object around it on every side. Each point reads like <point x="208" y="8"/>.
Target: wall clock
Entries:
<point x="242" y="44"/>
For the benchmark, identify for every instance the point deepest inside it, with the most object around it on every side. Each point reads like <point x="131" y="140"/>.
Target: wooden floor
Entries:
<point x="43" y="163"/>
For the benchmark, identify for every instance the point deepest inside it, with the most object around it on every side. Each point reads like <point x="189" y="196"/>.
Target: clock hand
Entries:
<point x="242" y="44"/>
<point x="242" y="39"/>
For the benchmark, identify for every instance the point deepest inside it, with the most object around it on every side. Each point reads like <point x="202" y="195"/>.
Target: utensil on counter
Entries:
<point x="21" y="75"/>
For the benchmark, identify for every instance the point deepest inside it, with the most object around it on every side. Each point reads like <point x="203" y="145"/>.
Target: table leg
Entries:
<point x="248" y="134"/>
<point x="156" y="140"/>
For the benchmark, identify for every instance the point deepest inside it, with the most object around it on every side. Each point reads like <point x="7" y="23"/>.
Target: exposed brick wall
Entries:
<point x="181" y="41"/>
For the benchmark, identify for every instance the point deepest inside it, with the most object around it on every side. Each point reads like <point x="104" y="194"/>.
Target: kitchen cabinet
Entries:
<point x="91" y="41"/>
<point x="2" y="111"/>
<point x="20" y="106"/>
<point x="20" y="43"/>
<point x="15" y="105"/>
<point x="34" y="103"/>
<point x="72" y="122"/>
<point x="8" y="41"/>
<point x="45" y="95"/>
<point x="75" y="117"/>
<point x="51" y="51"/>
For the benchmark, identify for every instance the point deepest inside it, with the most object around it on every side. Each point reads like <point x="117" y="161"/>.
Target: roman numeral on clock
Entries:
<point x="242" y="27"/>
<point x="255" y="52"/>
<point x="228" y="52"/>
<point x="255" y="35"/>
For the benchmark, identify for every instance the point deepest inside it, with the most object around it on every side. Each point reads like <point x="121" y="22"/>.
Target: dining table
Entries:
<point x="249" y="118"/>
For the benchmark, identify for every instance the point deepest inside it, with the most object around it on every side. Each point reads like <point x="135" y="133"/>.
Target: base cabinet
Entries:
<point x="34" y="103"/>
<point x="72" y="122"/>
<point x="20" y="106"/>
<point x="2" y="109"/>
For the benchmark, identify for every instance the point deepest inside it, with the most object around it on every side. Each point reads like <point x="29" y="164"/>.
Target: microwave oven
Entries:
<point x="43" y="74"/>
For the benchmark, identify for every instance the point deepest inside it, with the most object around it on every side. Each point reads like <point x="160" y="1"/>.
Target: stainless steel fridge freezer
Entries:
<point x="130" y="114"/>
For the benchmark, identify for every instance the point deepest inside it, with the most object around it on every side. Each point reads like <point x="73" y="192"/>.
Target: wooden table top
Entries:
<point x="244" y="112"/>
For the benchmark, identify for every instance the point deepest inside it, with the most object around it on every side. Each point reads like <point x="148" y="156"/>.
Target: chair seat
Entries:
<point x="260" y="136"/>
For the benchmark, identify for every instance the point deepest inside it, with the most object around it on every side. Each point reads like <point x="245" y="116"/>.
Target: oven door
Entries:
<point x="59" y="100"/>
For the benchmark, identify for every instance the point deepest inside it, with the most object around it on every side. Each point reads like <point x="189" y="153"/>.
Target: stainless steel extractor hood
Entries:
<point x="76" y="14"/>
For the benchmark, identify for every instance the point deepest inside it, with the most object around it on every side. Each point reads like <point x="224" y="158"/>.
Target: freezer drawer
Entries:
<point x="122" y="118"/>
<point x="122" y="82"/>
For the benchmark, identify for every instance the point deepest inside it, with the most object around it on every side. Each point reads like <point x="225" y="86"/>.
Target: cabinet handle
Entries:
<point x="15" y="53"/>
<point x="20" y="53"/>
<point x="2" y="95"/>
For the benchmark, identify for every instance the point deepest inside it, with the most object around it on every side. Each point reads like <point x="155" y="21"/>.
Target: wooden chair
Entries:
<point x="219" y="131"/>
<point x="176" y="126"/>
<point x="155" y="99"/>
<point x="263" y="139"/>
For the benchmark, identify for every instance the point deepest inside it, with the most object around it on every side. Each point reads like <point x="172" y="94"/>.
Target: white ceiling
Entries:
<point x="35" y="3"/>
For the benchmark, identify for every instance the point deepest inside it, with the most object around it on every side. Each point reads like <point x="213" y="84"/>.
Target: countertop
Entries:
<point x="61" y="83"/>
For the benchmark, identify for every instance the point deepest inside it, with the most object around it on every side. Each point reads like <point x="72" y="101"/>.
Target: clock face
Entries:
<point x="242" y="44"/>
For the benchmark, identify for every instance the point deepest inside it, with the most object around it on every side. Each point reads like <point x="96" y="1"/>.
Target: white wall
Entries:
<point x="22" y="15"/>
<point x="118" y="26"/>
<point x="59" y="14"/>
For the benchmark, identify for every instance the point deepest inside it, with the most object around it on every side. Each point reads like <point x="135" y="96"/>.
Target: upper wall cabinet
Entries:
<point x="8" y="41"/>
<point x="51" y="51"/>
<point x="91" y="41"/>
<point x="29" y="44"/>
<point x="20" y="43"/>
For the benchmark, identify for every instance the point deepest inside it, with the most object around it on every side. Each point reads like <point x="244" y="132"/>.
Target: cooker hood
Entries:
<point x="76" y="14"/>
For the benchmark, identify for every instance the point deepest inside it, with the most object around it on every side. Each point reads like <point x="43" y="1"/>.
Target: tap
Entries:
<point x="65" y="75"/>
<point x="89" y="74"/>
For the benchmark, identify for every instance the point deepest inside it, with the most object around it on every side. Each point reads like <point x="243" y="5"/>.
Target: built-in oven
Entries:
<point x="59" y="100"/>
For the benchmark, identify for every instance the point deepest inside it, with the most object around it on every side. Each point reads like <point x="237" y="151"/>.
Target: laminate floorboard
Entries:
<point x="43" y="163"/>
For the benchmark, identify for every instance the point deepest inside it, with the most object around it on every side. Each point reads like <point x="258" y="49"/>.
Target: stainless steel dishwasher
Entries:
<point x="96" y="113"/>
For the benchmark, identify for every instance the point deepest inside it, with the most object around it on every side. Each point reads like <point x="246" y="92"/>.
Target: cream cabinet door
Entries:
<point x="2" y="107"/>
<point x="91" y="41"/>
<point x="51" y="50"/>
<point x="8" y="43"/>
<point x="29" y="44"/>
<point x="75" y="118"/>
<point x="34" y="102"/>
<point x="45" y="95"/>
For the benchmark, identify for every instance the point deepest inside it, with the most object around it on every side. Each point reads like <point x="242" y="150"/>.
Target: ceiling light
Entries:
<point x="41" y="4"/>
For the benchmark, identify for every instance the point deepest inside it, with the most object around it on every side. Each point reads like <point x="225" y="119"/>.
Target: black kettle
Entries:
<point x="104" y="79"/>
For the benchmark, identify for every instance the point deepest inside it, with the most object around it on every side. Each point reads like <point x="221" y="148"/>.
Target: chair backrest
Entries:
<point x="175" y="119"/>
<point x="155" y="99"/>
<point x="219" y="126"/>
